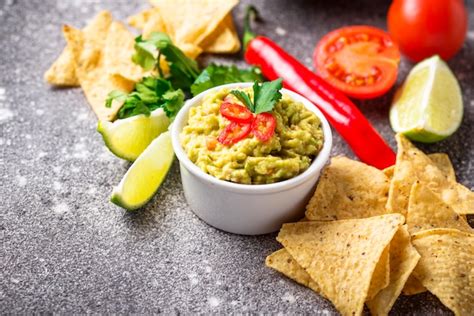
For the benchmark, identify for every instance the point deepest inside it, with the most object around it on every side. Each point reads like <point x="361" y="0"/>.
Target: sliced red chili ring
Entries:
<point x="236" y="112"/>
<point x="234" y="132"/>
<point x="263" y="127"/>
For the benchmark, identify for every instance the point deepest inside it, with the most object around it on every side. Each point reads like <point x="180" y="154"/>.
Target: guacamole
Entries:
<point x="297" y="140"/>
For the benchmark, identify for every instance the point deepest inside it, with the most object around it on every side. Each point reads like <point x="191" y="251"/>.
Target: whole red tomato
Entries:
<point x="423" y="28"/>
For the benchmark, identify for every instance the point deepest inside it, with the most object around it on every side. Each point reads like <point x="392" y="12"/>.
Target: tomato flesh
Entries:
<point x="235" y="112"/>
<point x="263" y="126"/>
<point x="361" y="61"/>
<point x="234" y="132"/>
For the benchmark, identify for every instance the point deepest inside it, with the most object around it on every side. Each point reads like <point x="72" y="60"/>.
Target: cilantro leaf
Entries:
<point x="265" y="95"/>
<point x="216" y="75"/>
<point x="149" y="94"/>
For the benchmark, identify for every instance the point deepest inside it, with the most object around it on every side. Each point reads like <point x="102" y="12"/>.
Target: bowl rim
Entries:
<point x="318" y="163"/>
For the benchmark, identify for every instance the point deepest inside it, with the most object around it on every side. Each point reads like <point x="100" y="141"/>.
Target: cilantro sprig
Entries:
<point x="265" y="96"/>
<point x="149" y="94"/>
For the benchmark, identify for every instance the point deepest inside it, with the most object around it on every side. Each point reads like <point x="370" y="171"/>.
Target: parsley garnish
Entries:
<point x="265" y="95"/>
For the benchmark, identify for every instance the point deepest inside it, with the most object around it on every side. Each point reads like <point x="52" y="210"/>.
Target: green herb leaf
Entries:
<point x="266" y="94"/>
<point x="244" y="98"/>
<point x="216" y="75"/>
<point x="149" y="94"/>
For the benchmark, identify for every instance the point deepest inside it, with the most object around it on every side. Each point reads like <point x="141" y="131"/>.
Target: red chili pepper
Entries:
<point x="343" y="115"/>
<point x="263" y="126"/>
<point x="236" y="112"/>
<point x="233" y="132"/>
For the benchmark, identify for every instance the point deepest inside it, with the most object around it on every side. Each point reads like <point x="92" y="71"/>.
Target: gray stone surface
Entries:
<point x="66" y="249"/>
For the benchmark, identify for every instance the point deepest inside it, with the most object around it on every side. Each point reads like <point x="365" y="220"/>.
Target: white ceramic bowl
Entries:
<point x="245" y="208"/>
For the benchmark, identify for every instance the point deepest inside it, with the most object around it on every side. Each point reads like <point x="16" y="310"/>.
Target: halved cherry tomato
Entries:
<point x="234" y="132"/>
<point x="236" y="113"/>
<point x="263" y="127"/>
<point x="361" y="61"/>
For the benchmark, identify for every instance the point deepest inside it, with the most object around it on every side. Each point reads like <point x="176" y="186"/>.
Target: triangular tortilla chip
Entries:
<point x="403" y="259"/>
<point x="412" y="165"/>
<point x="441" y="161"/>
<point x="426" y="211"/>
<point x="341" y="256"/>
<point x="284" y="263"/>
<point x="63" y="70"/>
<point x="446" y="267"/>
<point x="224" y="39"/>
<point x="191" y="21"/>
<point x="348" y="189"/>
<point x="118" y="51"/>
<point x="93" y="76"/>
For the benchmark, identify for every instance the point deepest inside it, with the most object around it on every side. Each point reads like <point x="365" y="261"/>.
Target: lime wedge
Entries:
<point x="146" y="174"/>
<point x="428" y="107"/>
<point x="128" y="138"/>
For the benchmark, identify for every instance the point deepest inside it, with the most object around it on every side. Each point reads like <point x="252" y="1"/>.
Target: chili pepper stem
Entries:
<point x="251" y="13"/>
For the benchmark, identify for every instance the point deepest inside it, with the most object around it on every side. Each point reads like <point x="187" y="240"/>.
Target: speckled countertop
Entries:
<point x="66" y="249"/>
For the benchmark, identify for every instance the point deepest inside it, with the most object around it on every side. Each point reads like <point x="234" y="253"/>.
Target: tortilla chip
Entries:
<point x="118" y="51"/>
<point x="140" y="19"/>
<point x="441" y="161"/>
<point x="340" y="256"/>
<point x="348" y="189"/>
<point x="444" y="164"/>
<point x="63" y="71"/>
<point x="94" y="78"/>
<point x="224" y="39"/>
<point x="412" y="165"/>
<point x="426" y="211"/>
<point x="403" y="259"/>
<point x="413" y="286"/>
<point x="446" y="267"/>
<point x="190" y="21"/>
<point x="284" y="263"/>
<point x="381" y="276"/>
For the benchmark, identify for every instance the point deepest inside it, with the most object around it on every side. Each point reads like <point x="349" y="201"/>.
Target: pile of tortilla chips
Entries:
<point x="98" y="57"/>
<point x="370" y="235"/>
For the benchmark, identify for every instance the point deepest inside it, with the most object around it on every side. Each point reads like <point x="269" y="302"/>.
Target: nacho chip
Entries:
<point x="340" y="256"/>
<point x="63" y="70"/>
<point x="403" y="259"/>
<point x="413" y="286"/>
<point x="426" y="211"/>
<point x="190" y="21"/>
<point x="381" y="276"/>
<point x="94" y="78"/>
<point x="412" y="165"/>
<point x="118" y="51"/>
<point x="446" y="267"/>
<point x="348" y="189"/>
<point x="441" y="161"/>
<point x="224" y="39"/>
<point x="284" y="263"/>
